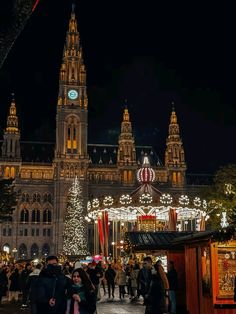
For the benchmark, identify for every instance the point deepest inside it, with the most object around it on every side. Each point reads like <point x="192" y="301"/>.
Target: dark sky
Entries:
<point x="151" y="54"/>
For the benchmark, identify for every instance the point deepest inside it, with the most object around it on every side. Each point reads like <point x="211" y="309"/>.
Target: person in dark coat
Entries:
<point x="81" y="296"/>
<point x="3" y="283"/>
<point x="144" y="277"/>
<point x="50" y="289"/>
<point x="14" y="288"/>
<point x="31" y="282"/>
<point x="173" y="286"/>
<point x="110" y="275"/>
<point x="23" y="280"/>
<point x="155" y="298"/>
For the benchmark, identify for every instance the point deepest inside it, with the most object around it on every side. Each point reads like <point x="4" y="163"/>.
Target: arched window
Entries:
<point x="34" y="251"/>
<point x="24" y="216"/>
<point x="25" y="197"/>
<point x="36" y="216"/>
<point x="45" y="250"/>
<point x="47" y="198"/>
<point x="7" y="172"/>
<point x="12" y="172"/>
<point x="6" y="248"/>
<point x="23" y="251"/>
<point x="47" y="216"/>
<point x="36" y="198"/>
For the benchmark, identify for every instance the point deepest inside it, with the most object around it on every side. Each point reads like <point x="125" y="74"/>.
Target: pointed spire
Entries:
<point x="12" y="119"/>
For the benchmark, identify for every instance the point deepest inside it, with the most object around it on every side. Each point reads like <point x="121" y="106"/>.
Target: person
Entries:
<point x="173" y="283"/>
<point x="50" y="288"/>
<point x="110" y="275"/>
<point x="32" y="279"/>
<point x="23" y="277"/>
<point x="81" y="295"/>
<point x="94" y="276"/>
<point x="3" y="282"/>
<point x="144" y="276"/>
<point x="120" y="279"/>
<point x="155" y="297"/>
<point x="14" y="288"/>
<point x="134" y="270"/>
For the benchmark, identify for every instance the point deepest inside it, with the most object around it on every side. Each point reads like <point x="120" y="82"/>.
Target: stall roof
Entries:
<point x="159" y="240"/>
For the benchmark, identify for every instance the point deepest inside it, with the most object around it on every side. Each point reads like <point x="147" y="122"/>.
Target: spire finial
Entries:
<point x="13" y="96"/>
<point x="173" y="105"/>
<point x="73" y="7"/>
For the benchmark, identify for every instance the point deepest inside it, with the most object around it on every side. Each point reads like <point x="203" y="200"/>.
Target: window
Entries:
<point x="34" y="251"/>
<point x="25" y="197"/>
<point x="24" y="216"/>
<point x="47" y="198"/>
<point x="23" y="251"/>
<point x="32" y="232"/>
<point x="48" y="232"/>
<point x="47" y="216"/>
<point x="37" y="232"/>
<point x="4" y="232"/>
<point x="25" y="232"/>
<point x="35" y="216"/>
<point x="9" y="232"/>
<point x="36" y="198"/>
<point x="45" y="249"/>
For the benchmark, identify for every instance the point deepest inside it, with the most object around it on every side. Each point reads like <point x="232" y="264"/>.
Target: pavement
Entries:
<point x="104" y="306"/>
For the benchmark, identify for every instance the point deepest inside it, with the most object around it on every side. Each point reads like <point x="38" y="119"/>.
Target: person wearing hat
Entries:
<point x="51" y="287"/>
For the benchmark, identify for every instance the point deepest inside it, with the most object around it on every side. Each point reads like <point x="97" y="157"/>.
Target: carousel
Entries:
<point x="144" y="209"/>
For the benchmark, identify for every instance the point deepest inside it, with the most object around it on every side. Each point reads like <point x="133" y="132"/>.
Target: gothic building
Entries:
<point x="44" y="172"/>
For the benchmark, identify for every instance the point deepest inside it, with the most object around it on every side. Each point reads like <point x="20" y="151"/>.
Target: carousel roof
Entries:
<point x="160" y="240"/>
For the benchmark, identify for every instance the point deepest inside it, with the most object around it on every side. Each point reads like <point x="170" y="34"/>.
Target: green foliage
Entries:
<point x="221" y="196"/>
<point x="7" y="199"/>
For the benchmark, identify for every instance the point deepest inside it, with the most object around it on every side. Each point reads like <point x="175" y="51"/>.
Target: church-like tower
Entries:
<point x="11" y="144"/>
<point x="126" y="156"/>
<point x="174" y="154"/>
<point x="71" y="158"/>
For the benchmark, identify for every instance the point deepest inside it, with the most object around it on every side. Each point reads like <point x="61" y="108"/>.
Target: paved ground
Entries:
<point x="105" y="306"/>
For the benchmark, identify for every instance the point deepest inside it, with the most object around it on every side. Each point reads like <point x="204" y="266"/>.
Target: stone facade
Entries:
<point x="44" y="172"/>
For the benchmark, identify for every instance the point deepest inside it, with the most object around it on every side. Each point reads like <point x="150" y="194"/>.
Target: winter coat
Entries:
<point x="87" y="305"/>
<point x="133" y="278"/>
<point x="144" y="279"/>
<point x="110" y="275"/>
<point x="51" y="283"/>
<point x="14" y="281"/>
<point x="3" y="283"/>
<point x="155" y="298"/>
<point x="23" y="278"/>
<point x="31" y="281"/>
<point x="120" y="278"/>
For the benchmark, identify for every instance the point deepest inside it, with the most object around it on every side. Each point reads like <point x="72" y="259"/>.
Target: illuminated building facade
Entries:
<point x="44" y="172"/>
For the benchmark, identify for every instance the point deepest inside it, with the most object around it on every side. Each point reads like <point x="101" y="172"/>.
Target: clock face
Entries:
<point x="72" y="94"/>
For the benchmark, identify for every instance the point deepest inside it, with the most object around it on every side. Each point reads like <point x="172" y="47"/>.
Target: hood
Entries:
<point x="35" y="272"/>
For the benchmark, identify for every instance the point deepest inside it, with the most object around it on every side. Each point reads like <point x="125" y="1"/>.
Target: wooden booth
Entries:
<point x="205" y="263"/>
<point x="210" y="270"/>
<point x="160" y="245"/>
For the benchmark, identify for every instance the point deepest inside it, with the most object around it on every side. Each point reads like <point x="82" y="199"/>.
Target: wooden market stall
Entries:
<point x="205" y="263"/>
<point x="210" y="270"/>
<point x="160" y="244"/>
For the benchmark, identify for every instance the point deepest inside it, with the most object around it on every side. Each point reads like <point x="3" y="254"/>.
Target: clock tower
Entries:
<point x="71" y="158"/>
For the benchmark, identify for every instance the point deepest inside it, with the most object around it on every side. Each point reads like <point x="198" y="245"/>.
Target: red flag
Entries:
<point x="106" y="232"/>
<point x="101" y="234"/>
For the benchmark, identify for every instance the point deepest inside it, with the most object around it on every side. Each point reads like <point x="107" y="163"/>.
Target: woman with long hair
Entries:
<point x="82" y="297"/>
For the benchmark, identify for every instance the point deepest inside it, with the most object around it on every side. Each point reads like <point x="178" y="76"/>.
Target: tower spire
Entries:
<point x="174" y="155"/>
<point x="11" y="137"/>
<point x="72" y="87"/>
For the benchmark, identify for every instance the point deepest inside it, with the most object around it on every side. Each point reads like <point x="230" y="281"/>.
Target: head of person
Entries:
<point x="52" y="265"/>
<point x="147" y="262"/>
<point x="80" y="277"/>
<point x="28" y="266"/>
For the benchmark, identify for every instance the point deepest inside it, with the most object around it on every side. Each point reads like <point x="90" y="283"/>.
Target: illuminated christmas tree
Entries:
<point x="74" y="237"/>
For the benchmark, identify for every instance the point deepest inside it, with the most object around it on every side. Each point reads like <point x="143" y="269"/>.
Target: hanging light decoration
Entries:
<point x="166" y="199"/>
<point x="184" y="200"/>
<point x="197" y="202"/>
<point x="145" y="198"/>
<point x="125" y="199"/>
<point x="108" y="201"/>
<point x="95" y="203"/>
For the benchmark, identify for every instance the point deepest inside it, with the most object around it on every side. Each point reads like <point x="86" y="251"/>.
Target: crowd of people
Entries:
<point x="76" y="289"/>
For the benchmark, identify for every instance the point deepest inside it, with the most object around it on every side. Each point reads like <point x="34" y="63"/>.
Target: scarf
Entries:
<point x="72" y="307"/>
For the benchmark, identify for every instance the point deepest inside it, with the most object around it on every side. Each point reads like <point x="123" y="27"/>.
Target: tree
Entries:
<point x="221" y="196"/>
<point x="7" y="199"/>
<point x="74" y="237"/>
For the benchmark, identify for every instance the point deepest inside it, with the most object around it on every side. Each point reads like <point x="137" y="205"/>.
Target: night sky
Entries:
<point x="149" y="54"/>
